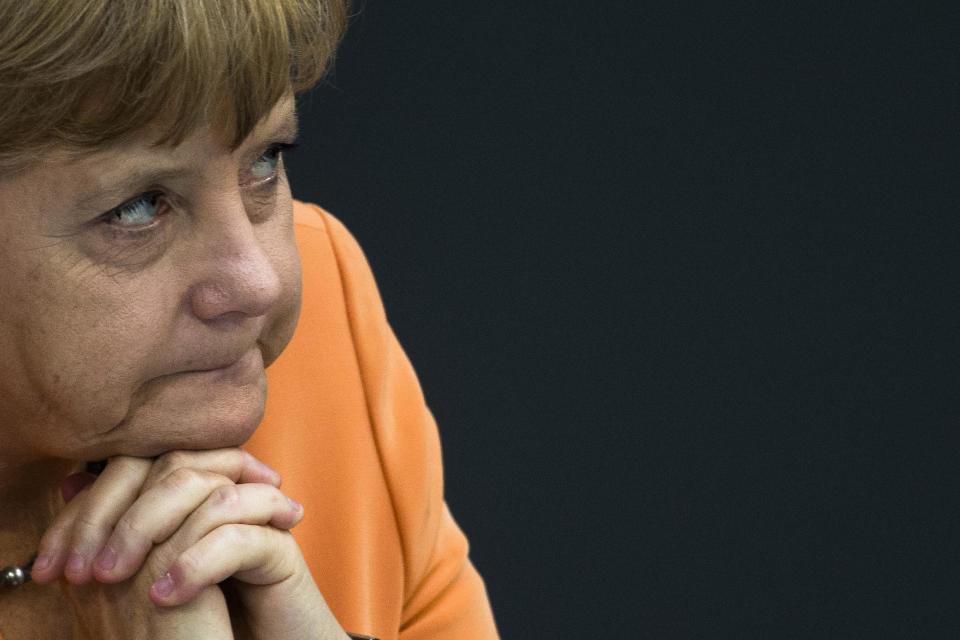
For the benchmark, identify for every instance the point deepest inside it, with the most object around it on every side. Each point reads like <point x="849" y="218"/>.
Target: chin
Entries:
<point x="213" y="416"/>
<point x="224" y="431"/>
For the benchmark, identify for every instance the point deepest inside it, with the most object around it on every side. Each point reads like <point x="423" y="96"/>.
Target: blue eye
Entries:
<point x="140" y="212"/>
<point x="266" y="165"/>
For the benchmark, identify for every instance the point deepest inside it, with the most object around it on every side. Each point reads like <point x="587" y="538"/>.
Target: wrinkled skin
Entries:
<point x="137" y="334"/>
<point x="105" y="330"/>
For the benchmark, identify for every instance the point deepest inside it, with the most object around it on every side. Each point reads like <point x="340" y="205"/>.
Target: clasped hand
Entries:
<point x="145" y="545"/>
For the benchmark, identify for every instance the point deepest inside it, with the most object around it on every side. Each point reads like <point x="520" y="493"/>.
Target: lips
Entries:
<point x="211" y="363"/>
<point x="219" y="364"/>
<point x="221" y="359"/>
<point x="242" y="370"/>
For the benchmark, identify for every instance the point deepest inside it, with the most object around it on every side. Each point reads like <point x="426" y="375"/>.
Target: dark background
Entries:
<point x="680" y="283"/>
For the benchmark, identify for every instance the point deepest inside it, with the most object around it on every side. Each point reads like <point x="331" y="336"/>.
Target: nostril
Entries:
<point x="240" y="292"/>
<point x="235" y="270"/>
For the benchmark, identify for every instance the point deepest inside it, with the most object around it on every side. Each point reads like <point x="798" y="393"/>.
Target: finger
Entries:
<point x="176" y="484"/>
<point x="253" y="504"/>
<point x="254" y="554"/>
<point x="105" y="502"/>
<point x="236" y="464"/>
<point x="50" y="558"/>
<point x="153" y="518"/>
<point x="52" y="550"/>
<point x="78" y="531"/>
<point x="187" y="513"/>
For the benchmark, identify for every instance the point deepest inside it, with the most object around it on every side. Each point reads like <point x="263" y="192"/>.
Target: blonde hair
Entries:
<point x="85" y="74"/>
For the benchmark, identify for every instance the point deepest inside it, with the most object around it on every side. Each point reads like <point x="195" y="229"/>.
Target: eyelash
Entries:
<point x="135" y="233"/>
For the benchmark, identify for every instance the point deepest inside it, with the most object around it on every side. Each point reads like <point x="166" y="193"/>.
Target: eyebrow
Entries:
<point x="131" y="184"/>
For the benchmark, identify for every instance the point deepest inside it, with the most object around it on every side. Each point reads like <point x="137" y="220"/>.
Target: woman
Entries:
<point x="151" y="273"/>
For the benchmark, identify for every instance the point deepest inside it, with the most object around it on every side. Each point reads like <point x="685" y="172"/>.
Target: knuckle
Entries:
<point x="188" y="565"/>
<point x="173" y="459"/>
<point x="182" y="478"/>
<point x="168" y="463"/>
<point x="226" y="495"/>
<point x="236" y="534"/>
<point x="88" y="525"/>
<point x="128" y="531"/>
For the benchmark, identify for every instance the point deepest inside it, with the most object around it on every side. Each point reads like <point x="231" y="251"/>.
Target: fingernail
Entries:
<point x="43" y="561"/>
<point x="296" y="505"/>
<point x="164" y="586"/>
<point x="76" y="563"/>
<point x="107" y="559"/>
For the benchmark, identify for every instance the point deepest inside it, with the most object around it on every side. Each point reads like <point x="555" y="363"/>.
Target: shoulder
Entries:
<point x="317" y="228"/>
<point x="309" y="218"/>
<point x="325" y="243"/>
<point x="309" y="215"/>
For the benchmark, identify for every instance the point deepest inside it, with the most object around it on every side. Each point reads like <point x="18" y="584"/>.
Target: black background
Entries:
<point x="680" y="284"/>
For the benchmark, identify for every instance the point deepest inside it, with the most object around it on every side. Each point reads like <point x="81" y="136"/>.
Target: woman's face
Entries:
<point x="146" y="327"/>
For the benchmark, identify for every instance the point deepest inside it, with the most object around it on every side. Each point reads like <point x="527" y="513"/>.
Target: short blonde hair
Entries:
<point x="85" y="74"/>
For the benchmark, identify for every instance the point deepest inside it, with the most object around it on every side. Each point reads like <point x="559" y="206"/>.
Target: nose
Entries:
<point x="237" y="276"/>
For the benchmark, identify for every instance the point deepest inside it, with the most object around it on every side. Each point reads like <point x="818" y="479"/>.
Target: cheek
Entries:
<point x="283" y="320"/>
<point x="83" y="349"/>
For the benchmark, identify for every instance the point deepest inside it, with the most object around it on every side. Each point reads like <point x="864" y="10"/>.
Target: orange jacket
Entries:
<point x="347" y="426"/>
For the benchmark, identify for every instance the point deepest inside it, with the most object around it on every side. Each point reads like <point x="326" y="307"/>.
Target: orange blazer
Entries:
<point x="347" y="426"/>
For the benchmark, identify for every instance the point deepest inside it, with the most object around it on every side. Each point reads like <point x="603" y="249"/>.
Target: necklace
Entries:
<point x="16" y="575"/>
<point x="20" y="574"/>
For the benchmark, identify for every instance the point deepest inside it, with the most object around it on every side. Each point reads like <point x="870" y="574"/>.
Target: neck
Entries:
<point x="29" y="495"/>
